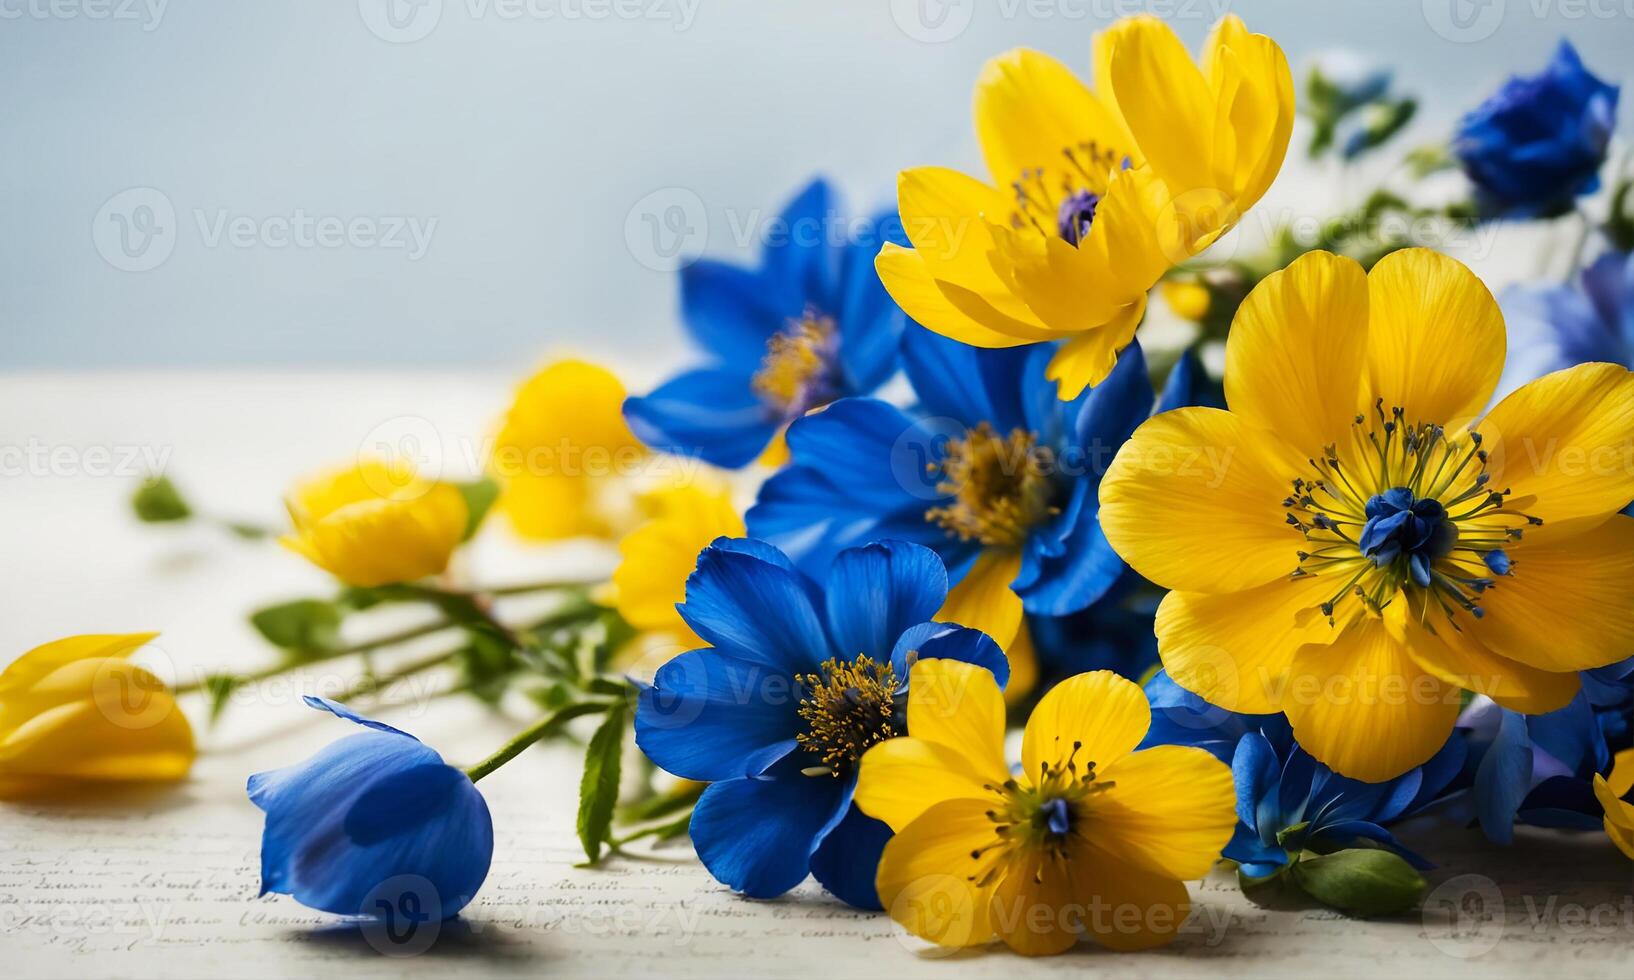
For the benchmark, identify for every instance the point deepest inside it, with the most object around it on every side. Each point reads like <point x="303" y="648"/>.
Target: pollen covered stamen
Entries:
<point x="797" y="373"/>
<point x="1062" y="200"/>
<point x="1001" y="486"/>
<point x="1404" y="507"/>
<point x="1042" y="815"/>
<point x="847" y="707"/>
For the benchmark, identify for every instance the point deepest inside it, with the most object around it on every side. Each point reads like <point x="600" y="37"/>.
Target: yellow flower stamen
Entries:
<point x="1000" y="486"/>
<point x="1062" y="201"/>
<point x="847" y="707"/>
<point x="1450" y="528"/>
<point x="795" y="374"/>
<point x="1038" y="815"/>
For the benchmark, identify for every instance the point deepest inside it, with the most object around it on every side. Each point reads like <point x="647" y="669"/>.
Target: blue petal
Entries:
<point x="373" y="816"/>
<point x="1187" y="384"/>
<point x="812" y="520"/>
<point x="710" y="413"/>
<point x="847" y="861"/>
<point x="1570" y="734"/>
<point x="1254" y="769"/>
<point x="1112" y="411"/>
<point x="1503" y="778"/>
<point x="966" y="384"/>
<point x="870" y="322"/>
<point x="341" y="711"/>
<point x="757" y="835"/>
<point x="731" y="311"/>
<point x="949" y="642"/>
<point x="870" y="450"/>
<point x="877" y="591"/>
<point x="1257" y="857"/>
<point x="1083" y="571"/>
<point x="710" y="716"/>
<point x="801" y="263"/>
<point x="754" y="609"/>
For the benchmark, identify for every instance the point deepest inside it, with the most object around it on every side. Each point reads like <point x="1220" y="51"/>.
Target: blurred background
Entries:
<point x="477" y="183"/>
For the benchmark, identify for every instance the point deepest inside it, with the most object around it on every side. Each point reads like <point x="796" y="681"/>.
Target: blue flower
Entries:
<point x="1556" y="326"/>
<point x="1287" y="801"/>
<point x="1115" y="633"/>
<point x="798" y="682"/>
<point x="1540" y="769"/>
<point x="375" y="817"/>
<point x="810" y="325"/>
<point x="1537" y="143"/>
<point x="991" y="470"/>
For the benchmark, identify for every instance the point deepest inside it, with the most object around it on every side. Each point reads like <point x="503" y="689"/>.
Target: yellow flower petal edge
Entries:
<point x="1416" y="551"/>
<point x="374" y="524"/>
<point x="1090" y="838"/>
<point x="1613" y="794"/>
<point x="1093" y="193"/>
<point x="76" y="714"/>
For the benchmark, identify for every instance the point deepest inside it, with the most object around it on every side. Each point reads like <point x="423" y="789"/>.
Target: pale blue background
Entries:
<point x="528" y="141"/>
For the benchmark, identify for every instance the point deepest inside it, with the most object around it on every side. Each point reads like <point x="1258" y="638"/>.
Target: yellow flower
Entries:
<point x="76" y="713"/>
<point x="1095" y="194"/>
<point x="565" y="458"/>
<point x="1091" y="837"/>
<point x="657" y="557"/>
<point x="376" y="523"/>
<point x="1613" y="794"/>
<point x="1347" y="547"/>
<point x="1188" y="299"/>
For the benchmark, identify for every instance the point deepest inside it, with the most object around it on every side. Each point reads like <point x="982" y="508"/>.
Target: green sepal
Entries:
<point x="1276" y="890"/>
<point x="1362" y="881"/>
<point x="157" y="501"/>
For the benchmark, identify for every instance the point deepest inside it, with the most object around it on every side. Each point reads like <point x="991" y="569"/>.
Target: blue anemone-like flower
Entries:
<point x="1540" y="769"/>
<point x="798" y="682"/>
<point x="1286" y="800"/>
<point x="811" y="324"/>
<point x="376" y="817"/>
<point x="1555" y="326"/>
<point x="1115" y="633"/>
<point x="991" y="469"/>
<point x="1538" y="142"/>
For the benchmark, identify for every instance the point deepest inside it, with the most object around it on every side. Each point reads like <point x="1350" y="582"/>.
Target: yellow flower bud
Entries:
<point x="76" y="714"/>
<point x="1187" y="298"/>
<point x="657" y="557"/>
<point x="376" y="524"/>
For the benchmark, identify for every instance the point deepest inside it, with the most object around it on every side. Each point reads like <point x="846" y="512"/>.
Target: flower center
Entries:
<point x="797" y="373"/>
<point x="847" y="707"/>
<point x="1063" y="201"/>
<point x="1000" y="485"/>
<point x="1042" y="815"/>
<point x="1409" y="510"/>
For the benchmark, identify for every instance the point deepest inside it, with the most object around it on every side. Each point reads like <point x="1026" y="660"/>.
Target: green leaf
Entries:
<point x="305" y="625"/>
<point x="598" y="789"/>
<point x="1361" y="881"/>
<point x="218" y="688"/>
<point x="157" y="501"/>
<point x="479" y="499"/>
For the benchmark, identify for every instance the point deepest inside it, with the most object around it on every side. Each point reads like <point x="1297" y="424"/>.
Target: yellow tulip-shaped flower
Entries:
<point x="1617" y="796"/>
<point x="1349" y="545"/>
<point x="565" y="458"/>
<point x="657" y="557"/>
<point x="1089" y="837"/>
<point x="1095" y="194"/>
<point x="77" y="714"/>
<point x="376" y="524"/>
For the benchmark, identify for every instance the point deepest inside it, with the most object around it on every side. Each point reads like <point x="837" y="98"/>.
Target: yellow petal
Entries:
<point x="1035" y="908"/>
<point x="1435" y="338"/>
<point x="1194" y="501"/>
<point x="924" y="875"/>
<point x="1297" y="349"/>
<point x="907" y="278"/>
<point x="1459" y="658"/>
<point x="656" y="558"/>
<point x="1029" y="108"/>
<point x="1254" y="107"/>
<point x="1186" y="299"/>
<point x="27" y="670"/>
<point x="550" y="507"/>
<point x="1023" y="657"/>
<point x="380" y="541"/>
<point x="1621" y="779"/>
<point x="958" y="705"/>
<point x="1170" y="810"/>
<point x="1131" y="909"/>
<point x="901" y="778"/>
<point x="1564" y="606"/>
<point x="1361" y="706"/>
<point x="1235" y="649"/>
<point x="1619" y="819"/>
<point x="1165" y="100"/>
<point x="566" y="418"/>
<point x="1088" y="358"/>
<point x="1101" y="714"/>
<point x="983" y="600"/>
<point x="1564" y="446"/>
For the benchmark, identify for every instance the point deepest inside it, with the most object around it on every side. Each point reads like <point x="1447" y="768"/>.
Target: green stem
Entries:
<point x="356" y="648"/>
<point x="373" y="683"/>
<point x="526" y="588"/>
<point x="533" y="733"/>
